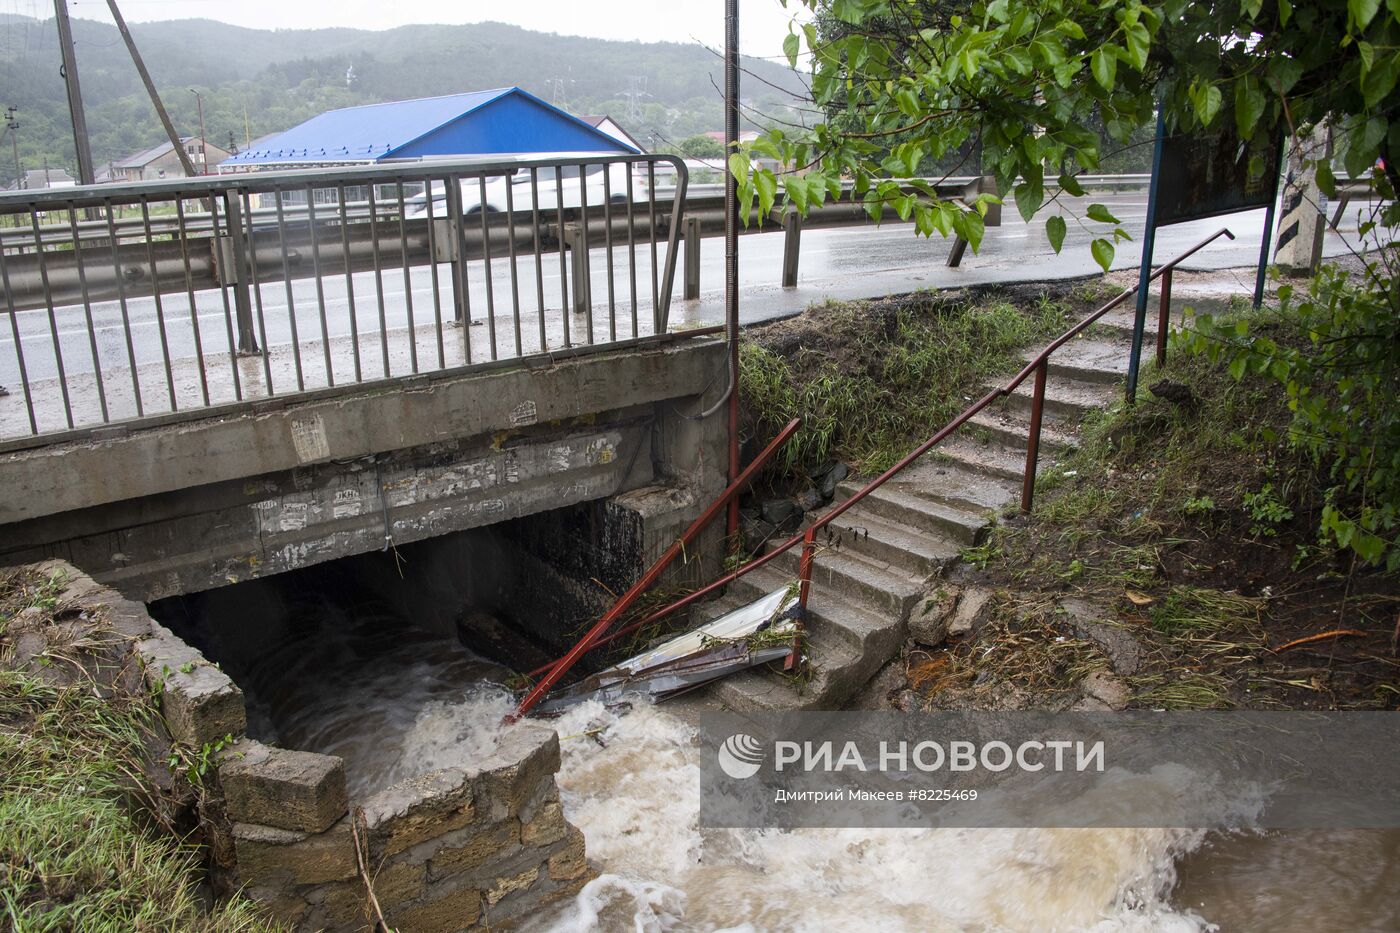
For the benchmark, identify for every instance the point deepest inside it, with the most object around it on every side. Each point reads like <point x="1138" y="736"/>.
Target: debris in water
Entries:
<point x="749" y="636"/>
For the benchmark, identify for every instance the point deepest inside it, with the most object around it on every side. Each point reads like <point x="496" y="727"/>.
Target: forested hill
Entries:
<point x="660" y="91"/>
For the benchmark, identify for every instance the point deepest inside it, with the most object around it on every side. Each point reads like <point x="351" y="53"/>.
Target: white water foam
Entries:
<point x="630" y="781"/>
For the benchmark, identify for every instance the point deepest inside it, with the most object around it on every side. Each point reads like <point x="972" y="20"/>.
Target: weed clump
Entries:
<point x="80" y="844"/>
<point x="871" y="380"/>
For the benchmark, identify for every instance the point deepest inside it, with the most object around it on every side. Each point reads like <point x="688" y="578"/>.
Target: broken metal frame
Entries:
<point x="806" y="538"/>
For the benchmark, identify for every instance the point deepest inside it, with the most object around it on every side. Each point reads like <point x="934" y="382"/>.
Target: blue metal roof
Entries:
<point x="504" y="121"/>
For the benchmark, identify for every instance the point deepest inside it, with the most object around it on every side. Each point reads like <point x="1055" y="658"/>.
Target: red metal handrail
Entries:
<point x="592" y="638"/>
<point x="807" y="537"/>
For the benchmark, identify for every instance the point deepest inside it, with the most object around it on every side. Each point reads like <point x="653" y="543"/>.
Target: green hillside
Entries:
<point x="260" y="81"/>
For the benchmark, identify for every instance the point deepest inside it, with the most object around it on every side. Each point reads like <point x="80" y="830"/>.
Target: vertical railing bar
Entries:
<point x="407" y="284"/>
<point x="320" y="283"/>
<point x="461" y="284"/>
<point x="1033" y="438"/>
<point x="486" y="263"/>
<point x="378" y="276"/>
<point x="19" y="347"/>
<point x="189" y="292"/>
<point x="632" y="244"/>
<point x="804" y="592"/>
<point x="651" y="235"/>
<point x="87" y="313"/>
<point x="160" y="309"/>
<point x="608" y="248"/>
<point x="564" y="247"/>
<point x="586" y="285"/>
<point x="252" y="242"/>
<point x="1164" y="318"/>
<point x="121" y="302"/>
<point x="238" y="249"/>
<point x="669" y="277"/>
<point x="539" y="256"/>
<point x="287" y="284"/>
<point x="223" y="296"/>
<point x="349" y="282"/>
<point x="53" y="321"/>
<point x="433" y="270"/>
<point x="510" y="249"/>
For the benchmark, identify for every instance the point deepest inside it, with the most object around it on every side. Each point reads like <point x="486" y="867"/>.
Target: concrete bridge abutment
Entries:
<point x="594" y="463"/>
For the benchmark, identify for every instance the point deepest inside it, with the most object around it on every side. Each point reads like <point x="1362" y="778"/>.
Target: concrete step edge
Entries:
<point x="911" y="505"/>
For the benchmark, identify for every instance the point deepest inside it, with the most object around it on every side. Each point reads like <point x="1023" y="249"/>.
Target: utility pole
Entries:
<point x="75" y="93"/>
<point x="151" y="90"/>
<point x="12" y="125"/>
<point x="203" y="143"/>
<point x="731" y="246"/>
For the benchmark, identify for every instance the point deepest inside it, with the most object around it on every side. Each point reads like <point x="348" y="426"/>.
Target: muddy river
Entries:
<point x="396" y="702"/>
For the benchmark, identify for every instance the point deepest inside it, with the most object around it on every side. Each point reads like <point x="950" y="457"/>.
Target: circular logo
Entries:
<point x="741" y="756"/>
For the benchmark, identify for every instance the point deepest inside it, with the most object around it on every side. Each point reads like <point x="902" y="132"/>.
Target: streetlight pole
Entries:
<point x="12" y="125"/>
<point x="75" y="94"/>
<point x="203" y="141"/>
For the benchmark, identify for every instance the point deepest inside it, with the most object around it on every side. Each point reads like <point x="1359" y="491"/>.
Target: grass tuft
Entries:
<point x="76" y="852"/>
<point x="873" y="379"/>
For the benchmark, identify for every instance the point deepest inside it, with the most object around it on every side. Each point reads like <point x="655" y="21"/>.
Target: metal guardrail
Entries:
<point x="176" y="298"/>
<point x="208" y="298"/>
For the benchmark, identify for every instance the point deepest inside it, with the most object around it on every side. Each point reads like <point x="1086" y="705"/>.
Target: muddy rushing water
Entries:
<point x="394" y="702"/>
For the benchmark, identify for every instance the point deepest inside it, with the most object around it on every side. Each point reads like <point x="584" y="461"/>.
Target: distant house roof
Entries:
<point x="36" y="178"/>
<point x="744" y="135"/>
<point x="614" y="129"/>
<point x="147" y="156"/>
<point x="504" y="121"/>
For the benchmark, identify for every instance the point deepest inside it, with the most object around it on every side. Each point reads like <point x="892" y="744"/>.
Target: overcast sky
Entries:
<point x="763" y="23"/>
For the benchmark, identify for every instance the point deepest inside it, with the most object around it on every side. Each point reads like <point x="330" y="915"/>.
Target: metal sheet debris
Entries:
<point x="747" y="637"/>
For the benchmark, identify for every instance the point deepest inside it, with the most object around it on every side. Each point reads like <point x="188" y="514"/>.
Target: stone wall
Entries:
<point x="448" y="850"/>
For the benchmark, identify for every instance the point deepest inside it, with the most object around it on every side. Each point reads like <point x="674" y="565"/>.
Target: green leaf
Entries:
<point x="1367" y="52"/>
<point x="1105" y="68"/>
<point x="1029" y="196"/>
<point x="1327" y="182"/>
<point x="1070" y="185"/>
<point x="791" y="46"/>
<point x="1049" y="50"/>
<point x="1019" y="60"/>
<point x="1206" y="99"/>
<point x="1055" y="230"/>
<point x="904" y="205"/>
<point x="1363" y="11"/>
<point x="1139" y="40"/>
<point x="1249" y="107"/>
<point x="796" y="190"/>
<point x="1103" y="253"/>
<point x="974" y="227"/>
<point x="1101" y="214"/>
<point x="766" y="184"/>
<point x="1368" y="546"/>
<point x="1284" y="72"/>
<point x="1380" y="81"/>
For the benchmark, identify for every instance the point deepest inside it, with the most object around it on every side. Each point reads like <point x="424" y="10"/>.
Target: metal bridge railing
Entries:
<point x="130" y="304"/>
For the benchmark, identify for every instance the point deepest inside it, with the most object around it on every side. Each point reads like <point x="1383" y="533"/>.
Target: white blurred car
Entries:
<point x="549" y="181"/>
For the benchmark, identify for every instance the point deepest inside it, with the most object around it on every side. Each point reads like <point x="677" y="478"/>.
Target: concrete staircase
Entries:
<point x="884" y="553"/>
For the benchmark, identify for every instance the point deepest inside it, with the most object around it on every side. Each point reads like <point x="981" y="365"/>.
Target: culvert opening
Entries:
<point x="401" y="661"/>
